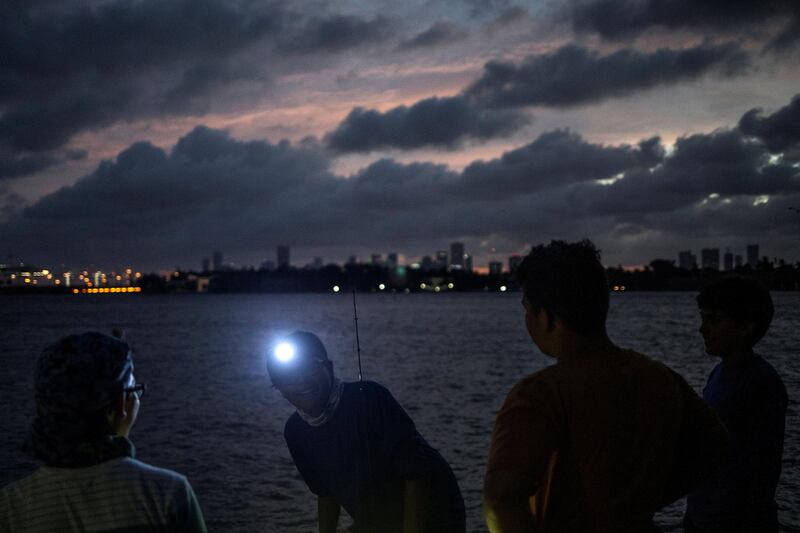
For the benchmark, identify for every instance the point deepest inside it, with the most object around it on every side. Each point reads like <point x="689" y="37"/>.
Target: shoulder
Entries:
<point x="764" y="379"/>
<point x="370" y="388"/>
<point x="535" y="387"/>
<point x="148" y="474"/>
<point x="294" y="425"/>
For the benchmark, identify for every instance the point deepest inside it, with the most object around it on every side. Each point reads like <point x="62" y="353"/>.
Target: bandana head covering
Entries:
<point x="76" y="378"/>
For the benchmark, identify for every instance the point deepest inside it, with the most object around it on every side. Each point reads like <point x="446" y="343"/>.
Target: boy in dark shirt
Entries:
<point x="357" y="448"/>
<point x="750" y="399"/>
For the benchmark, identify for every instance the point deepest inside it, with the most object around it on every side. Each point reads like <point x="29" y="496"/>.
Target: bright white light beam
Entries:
<point x="284" y="352"/>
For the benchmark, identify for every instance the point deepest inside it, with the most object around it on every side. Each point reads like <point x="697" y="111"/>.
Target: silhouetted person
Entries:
<point x="357" y="448"/>
<point x="87" y="401"/>
<point x="603" y="438"/>
<point x="750" y="398"/>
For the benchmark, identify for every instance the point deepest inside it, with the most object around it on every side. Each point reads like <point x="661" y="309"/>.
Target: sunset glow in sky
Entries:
<point x="153" y="132"/>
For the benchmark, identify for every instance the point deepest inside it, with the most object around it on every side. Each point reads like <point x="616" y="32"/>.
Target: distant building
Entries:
<point x="426" y="263"/>
<point x="268" y="264"/>
<point x="283" y="256"/>
<point x="377" y="259"/>
<point x="727" y="261"/>
<point x="217" y="261"/>
<point x="457" y="255"/>
<point x="317" y="264"/>
<point x="206" y="265"/>
<point x="513" y="262"/>
<point x="687" y="260"/>
<point x="352" y="260"/>
<point x="441" y="259"/>
<point x="710" y="258"/>
<point x="391" y="260"/>
<point x="738" y="261"/>
<point x="752" y="255"/>
<point x="468" y="262"/>
<point x="495" y="268"/>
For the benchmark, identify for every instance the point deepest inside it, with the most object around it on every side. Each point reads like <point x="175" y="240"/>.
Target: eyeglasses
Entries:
<point x="137" y="389"/>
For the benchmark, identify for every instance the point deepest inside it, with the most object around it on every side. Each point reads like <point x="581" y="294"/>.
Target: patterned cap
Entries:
<point x="75" y="377"/>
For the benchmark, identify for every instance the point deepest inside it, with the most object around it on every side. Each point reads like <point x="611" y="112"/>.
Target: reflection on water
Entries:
<point x="449" y="359"/>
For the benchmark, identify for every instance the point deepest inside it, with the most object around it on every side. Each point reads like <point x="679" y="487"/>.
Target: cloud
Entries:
<point x="574" y="75"/>
<point x="719" y="166"/>
<point x="570" y="76"/>
<point x="160" y="208"/>
<point x="440" y="34"/>
<point x="13" y="165"/>
<point x="780" y="131"/>
<point x="555" y="159"/>
<point x="336" y="33"/>
<point x="614" y="19"/>
<point x="69" y="67"/>
<point x="72" y="67"/>
<point x="443" y="122"/>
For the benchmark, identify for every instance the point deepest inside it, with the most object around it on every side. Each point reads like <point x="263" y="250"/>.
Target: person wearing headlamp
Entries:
<point x="358" y="449"/>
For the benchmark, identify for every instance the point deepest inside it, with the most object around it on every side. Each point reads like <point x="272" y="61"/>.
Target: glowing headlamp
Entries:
<point x="285" y="352"/>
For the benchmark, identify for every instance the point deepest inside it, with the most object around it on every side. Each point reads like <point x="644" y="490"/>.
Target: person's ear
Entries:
<point x="118" y="409"/>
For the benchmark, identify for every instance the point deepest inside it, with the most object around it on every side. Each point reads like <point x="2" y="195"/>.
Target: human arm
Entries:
<point x="761" y="438"/>
<point x="506" y="504"/>
<point x="415" y="504"/>
<point x="327" y="514"/>
<point x="702" y="446"/>
<point x="524" y="439"/>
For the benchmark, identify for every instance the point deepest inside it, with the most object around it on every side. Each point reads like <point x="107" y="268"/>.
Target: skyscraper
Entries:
<point x="377" y="259"/>
<point x="727" y="260"/>
<point x="441" y="259"/>
<point x="205" y="264"/>
<point x="468" y="262"/>
<point x="495" y="268"/>
<point x="217" y="261"/>
<point x="513" y="262"/>
<point x="457" y="255"/>
<point x="710" y="258"/>
<point x="687" y="260"/>
<point x="752" y="255"/>
<point x="391" y="260"/>
<point x="283" y="256"/>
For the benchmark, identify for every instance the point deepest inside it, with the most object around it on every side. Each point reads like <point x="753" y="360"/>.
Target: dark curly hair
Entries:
<point x="568" y="281"/>
<point x="743" y="299"/>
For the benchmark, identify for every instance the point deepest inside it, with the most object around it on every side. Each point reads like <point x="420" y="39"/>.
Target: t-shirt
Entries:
<point x="751" y="400"/>
<point x="121" y="495"/>
<point x="630" y="435"/>
<point x="362" y="456"/>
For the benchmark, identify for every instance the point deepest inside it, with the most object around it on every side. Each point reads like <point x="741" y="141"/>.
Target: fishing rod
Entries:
<point x="358" y="343"/>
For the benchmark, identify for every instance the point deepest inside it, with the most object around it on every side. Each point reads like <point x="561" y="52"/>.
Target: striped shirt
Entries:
<point x="121" y="495"/>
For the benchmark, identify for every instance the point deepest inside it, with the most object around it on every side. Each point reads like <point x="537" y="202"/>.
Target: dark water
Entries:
<point x="449" y="359"/>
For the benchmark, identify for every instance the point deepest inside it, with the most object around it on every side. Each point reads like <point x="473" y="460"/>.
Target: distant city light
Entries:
<point x="437" y="289"/>
<point x="503" y="288"/>
<point x="381" y="286"/>
<point x="422" y="286"/>
<point x="450" y="286"/>
<point x="336" y="288"/>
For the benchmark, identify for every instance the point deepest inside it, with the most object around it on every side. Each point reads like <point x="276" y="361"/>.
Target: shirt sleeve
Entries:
<point x="192" y="517"/>
<point x="526" y="433"/>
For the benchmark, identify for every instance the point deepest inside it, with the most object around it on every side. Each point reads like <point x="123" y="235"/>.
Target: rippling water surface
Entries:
<point x="449" y="359"/>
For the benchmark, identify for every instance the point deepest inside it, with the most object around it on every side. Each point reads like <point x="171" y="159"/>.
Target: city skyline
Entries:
<point x="132" y="136"/>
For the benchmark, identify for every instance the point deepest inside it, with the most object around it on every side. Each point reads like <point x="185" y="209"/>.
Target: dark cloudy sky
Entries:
<point x="153" y="132"/>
